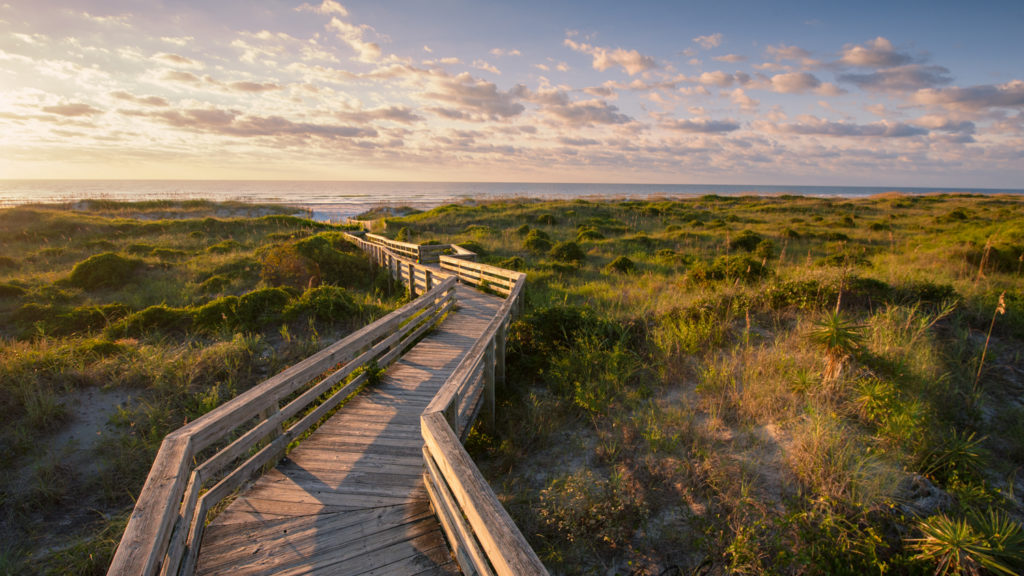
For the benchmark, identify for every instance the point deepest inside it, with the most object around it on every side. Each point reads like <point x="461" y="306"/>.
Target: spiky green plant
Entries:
<point x="990" y="542"/>
<point x="838" y="337"/>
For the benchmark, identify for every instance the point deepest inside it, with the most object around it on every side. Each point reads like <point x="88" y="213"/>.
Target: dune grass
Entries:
<point x="759" y="385"/>
<point x="164" y="309"/>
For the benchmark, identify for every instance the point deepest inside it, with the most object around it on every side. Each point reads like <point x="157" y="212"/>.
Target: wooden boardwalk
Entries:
<point x="350" y="499"/>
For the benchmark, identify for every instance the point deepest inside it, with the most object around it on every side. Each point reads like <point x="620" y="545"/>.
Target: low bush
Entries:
<point x="216" y="315"/>
<point x="746" y="241"/>
<point x="261" y="307"/>
<point x="567" y="251"/>
<point x="160" y="318"/>
<point x="537" y="241"/>
<point x="323" y="304"/>
<point x="223" y="247"/>
<point x="104" y="271"/>
<point x="286" y="266"/>
<point x="214" y="284"/>
<point x="474" y="247"/>
<point x="729" y="267"/>
<point x="11" y="291"/>
<point x="621" y="265"/>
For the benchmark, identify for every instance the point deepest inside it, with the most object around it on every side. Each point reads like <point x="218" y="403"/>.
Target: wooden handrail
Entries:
<point x="165" y="528"/>
<point x="421" y="254"/>
<point x="483" y="536"/>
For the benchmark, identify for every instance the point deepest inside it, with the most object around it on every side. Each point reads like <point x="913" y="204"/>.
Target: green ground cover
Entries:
<point x="759" y="385"/>
<point x="119" y="323"/>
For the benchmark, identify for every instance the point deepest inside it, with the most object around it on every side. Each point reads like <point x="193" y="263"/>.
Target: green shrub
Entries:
<point x="513" y="263"/>
<point x="8" y="263"/>
<point x="103" y="271"/>
<point x="101" y="244"/>
<point x="765" y="249"/>
<point x="547" y="219"/>
<point x="523" y="230"/>
<point x="169" y="253"/>
<point x="141" y="249"/>
<point x="214" y="284"/>
<point x="585" y="233"/>
<point x="85" y="319"/>
<point x="537" y="241"/>
<point x="479" y="230"/>
<point x="620" y="265"/>
<point x="223" y="247"/>
<point x="567" y="251"/>
<point x="11" y="291"/>
<point x="159" y="318"/>
<point x="336" y="263"/>
<point x="261" y="307"/>
<point x="474" y="247"/>
<point x="746" y="241"/>
<point x="286" y="266"/>
<point x="216" y="315"/>
<point x="404" y="234"/>
<point x="104" y="348"/>
<point x="324" y="304"/>
<point x="729" y="267"/>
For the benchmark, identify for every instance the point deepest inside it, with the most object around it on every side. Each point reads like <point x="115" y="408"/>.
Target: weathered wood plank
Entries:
<point x="505" y="546"/>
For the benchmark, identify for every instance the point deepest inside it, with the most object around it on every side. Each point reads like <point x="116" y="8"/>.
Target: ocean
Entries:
<point x="338" y="200"/>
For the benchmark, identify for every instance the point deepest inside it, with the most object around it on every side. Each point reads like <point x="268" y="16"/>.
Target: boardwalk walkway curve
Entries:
<point x="372" y="489"/>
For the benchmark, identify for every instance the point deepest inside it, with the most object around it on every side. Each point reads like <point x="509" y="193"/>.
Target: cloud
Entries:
<point x="722" y="79"/>
<point x="191" y="79"/>
<point x="143" y="100"/>
<point x="784" y="52"/>
<point x="177" y="40"/>
<point x="399" y="114"/>
<point x="741" y="99"/>
<point x="730" y="58"/>
<point x="578" y="141"/>
<point x="557" y="104"/>
<point x="499" y="52"/>
<point x="900" y="78"/>
<point x="474" y="96"/>
<point x="72" y="110"/>
<point x="813" y="126"/>
<point x="702" y="126"/>
<point x="710" y="41"/>
<point x="252" y="87"/>
<point x="795" y="82"/>
<point x="484" y="65"/>
<point x="631" y="61"/>
<point x="177" y="60"/>
<point x="232" y="123"/>
<point x="353" y="36"/>
<point x="974" y="98"/>
<point x="325" y="7"/>
<point x="877" y="53"/>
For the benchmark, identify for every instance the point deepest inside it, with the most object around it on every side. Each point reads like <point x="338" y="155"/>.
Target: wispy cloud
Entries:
<point x="632" y="61"/>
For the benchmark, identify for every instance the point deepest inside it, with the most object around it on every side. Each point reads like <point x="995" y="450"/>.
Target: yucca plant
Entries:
<point x="992" y="543"/>
<point x="838" y="337"/>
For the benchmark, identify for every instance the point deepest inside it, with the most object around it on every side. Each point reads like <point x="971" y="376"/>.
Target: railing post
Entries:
<point x="488" y="406"/>
<point x="451" y="414"/>
<point x="430" y="276"/>
<point x="499" y="353"/>
<point x="412" y="280"/>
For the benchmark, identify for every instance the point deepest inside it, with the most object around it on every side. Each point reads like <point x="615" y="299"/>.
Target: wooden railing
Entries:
<point x="483" y="536"/>
<point x="420" y="254"/>
<point x="205" y="461"/>
<point x="482" y="275"/>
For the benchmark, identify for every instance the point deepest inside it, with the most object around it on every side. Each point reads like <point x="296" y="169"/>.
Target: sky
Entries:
<point x="723" y="92"/>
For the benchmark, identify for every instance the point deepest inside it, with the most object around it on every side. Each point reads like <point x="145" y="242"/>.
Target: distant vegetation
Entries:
<point x="119" y="323"/>
<point x="759" y="385"/>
